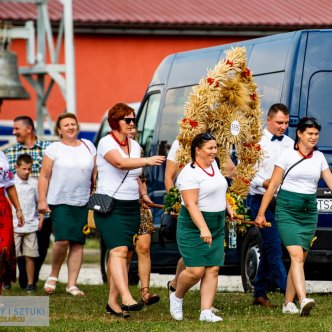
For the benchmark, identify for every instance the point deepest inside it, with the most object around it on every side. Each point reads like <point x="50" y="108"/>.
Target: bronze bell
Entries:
<point x="10" y="84"/>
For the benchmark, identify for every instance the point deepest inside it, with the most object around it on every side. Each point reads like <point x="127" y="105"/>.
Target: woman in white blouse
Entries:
<point x="200" y="227"/>
<point x="119" y="159"/>
<point x="64" y="190"/>
<point x="297" y="172"/>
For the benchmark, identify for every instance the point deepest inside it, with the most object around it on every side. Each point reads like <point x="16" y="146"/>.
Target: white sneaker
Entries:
<point x="208" y="316"/>
<point x="290" y="308"/>
<point x="306" y="305"/>
<point x="175" y="307"/>
<point x="214" y="310"/>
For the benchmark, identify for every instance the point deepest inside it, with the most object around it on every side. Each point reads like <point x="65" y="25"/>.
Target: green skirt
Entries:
<point x="194" y="250"/>
<point x="68" y="222"/>
<point x="296" y="216"/>
<point x="118" y="228"/>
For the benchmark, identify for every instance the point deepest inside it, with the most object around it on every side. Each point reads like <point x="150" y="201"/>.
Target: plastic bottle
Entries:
<point x="232" y="234"/>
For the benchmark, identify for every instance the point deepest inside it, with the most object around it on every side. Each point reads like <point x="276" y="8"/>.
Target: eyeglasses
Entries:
<point x="208" y="136"/>
<point x="128" y="120"/>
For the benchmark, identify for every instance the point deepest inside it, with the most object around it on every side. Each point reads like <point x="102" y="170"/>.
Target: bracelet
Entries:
<point x="19" y="210"/>
<point x="144" y="195"/>
<point x="146" y="161"/>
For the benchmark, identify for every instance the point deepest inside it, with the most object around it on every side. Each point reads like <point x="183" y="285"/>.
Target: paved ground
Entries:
<point x="90" y="274"/>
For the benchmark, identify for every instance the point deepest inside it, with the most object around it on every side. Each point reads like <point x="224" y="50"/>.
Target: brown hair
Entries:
<point x="24" y="158"/>
<point x="64" y="116"/>
<point x="118" y="112"/>
<point x="275" y="108"/>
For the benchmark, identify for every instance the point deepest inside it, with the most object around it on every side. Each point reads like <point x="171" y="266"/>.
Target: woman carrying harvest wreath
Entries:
<point x="200" y="228"/>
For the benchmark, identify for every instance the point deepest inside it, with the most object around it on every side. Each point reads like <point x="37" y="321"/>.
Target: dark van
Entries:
<point x="292" y="68"/>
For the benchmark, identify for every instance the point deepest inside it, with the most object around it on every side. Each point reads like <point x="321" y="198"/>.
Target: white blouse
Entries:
<point x="110" y="177"/>
<point x="6" y="176"/>
<point x="302" y="178"/>
<point x="212" y="189"/>
<point x="70" y="181"/>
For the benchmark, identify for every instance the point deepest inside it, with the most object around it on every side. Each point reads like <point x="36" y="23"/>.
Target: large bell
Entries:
<point x="10" y="84"/>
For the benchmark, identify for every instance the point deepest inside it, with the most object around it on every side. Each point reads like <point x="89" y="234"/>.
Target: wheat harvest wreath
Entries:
<point x="225" y="103"/>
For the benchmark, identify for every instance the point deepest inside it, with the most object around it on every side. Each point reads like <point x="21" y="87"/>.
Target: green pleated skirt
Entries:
<point x="121" y="225"/>
<point x="296" y="216"/>
<point x="194" y="250"/>
<point x="68" y="222"/>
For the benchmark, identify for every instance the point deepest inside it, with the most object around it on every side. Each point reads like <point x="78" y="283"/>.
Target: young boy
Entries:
<point x="26" y="237"/>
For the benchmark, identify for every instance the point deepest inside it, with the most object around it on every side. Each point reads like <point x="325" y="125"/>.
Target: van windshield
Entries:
<point x="172" y="113"/>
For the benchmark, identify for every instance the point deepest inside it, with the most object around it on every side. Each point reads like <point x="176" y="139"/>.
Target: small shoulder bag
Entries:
<point x="103" y="203"/>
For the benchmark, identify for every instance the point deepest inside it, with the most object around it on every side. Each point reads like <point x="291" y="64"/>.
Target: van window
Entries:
<point x="270" y="56"/>
<point x="172" y="113"/>
<point x="147" y="121"/>
<point x="269" y="88"/>
<point x="319" y="104"/>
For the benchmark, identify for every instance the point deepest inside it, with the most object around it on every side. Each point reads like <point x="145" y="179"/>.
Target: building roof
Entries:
<point x="185" y="14"/>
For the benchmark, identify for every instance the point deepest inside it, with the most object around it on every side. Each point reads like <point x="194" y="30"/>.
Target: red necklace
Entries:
<point x="125" y="143"/>
<point x="309" y="155"/>
<point x="212" y="174"/>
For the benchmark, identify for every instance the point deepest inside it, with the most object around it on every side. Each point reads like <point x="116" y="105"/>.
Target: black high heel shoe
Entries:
<point x="133" y="307"/>
<point x="110" y="311"/>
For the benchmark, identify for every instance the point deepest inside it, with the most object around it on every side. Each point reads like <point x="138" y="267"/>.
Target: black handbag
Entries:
<point x="103" y="203"/>
<point x="168" y="226"/>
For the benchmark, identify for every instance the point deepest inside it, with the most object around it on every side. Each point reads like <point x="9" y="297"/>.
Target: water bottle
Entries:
<point x="232" y="234"/>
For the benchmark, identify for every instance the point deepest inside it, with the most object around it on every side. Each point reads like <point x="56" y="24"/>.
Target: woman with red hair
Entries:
<point x="119" y="166"/>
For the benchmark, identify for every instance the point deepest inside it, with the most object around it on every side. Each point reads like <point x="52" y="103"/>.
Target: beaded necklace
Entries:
<point x="212" y="174"/>
<point x="309" y="155"/>
<point x="125" y="143"/>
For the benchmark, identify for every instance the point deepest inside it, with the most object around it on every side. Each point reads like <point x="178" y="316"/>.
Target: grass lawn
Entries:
<point x="87" y="314"/>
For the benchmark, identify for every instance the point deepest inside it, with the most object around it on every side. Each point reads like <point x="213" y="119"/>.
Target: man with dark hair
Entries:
<point x="28" y="143"/>
<point x="271" y="267"/>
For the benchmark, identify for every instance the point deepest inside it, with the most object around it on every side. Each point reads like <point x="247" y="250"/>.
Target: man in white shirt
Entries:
<point x="271" y="267"/>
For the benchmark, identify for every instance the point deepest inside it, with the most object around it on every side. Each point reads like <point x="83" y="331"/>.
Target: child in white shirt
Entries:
<point x="25" y="237"/>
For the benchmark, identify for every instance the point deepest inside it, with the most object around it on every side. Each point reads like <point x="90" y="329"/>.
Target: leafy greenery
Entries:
<point x="88" y="313"/>
<point x="173" y="201"/>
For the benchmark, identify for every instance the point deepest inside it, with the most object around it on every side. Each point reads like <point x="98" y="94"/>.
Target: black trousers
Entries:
<point x="43" y="238"/>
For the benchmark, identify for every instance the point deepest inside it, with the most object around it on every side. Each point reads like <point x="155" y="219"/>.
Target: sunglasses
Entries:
<point x="312" y="123"/>
<point x="128" y="120"/>
<point x="208" y="136"/>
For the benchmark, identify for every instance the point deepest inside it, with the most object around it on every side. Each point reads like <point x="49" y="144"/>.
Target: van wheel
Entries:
<point x="250" y="256"/>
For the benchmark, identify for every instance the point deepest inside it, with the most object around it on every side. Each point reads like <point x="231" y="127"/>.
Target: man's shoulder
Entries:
<point x="42" y="143"/>
<point x="14" y="148"/>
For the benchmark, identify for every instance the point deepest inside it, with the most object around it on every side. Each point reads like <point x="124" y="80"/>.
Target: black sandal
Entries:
<point x="152" y="298"/>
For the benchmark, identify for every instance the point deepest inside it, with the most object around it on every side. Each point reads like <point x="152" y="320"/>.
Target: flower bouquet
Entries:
<point x="243" y="216"/>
